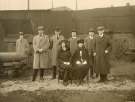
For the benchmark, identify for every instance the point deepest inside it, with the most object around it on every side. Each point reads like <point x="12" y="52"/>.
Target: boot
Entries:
<point x="41" y="74"/>
<point x="105" y="77"/>
<point x="35" y="72"/>
<point x="101" y="78"/>
<point x="54" y="72"/>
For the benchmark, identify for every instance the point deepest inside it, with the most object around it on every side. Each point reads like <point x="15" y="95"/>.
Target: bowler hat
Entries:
<point x="100" y="28"/>
<point x="74" y="30"/>
<point x="57" y="29"/>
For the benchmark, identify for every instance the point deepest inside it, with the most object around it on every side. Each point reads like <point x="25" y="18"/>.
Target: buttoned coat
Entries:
<point x="41" y="60"/>
<point x="55" y="48"/>
<point x="73" y="44"/>
<point x="102" y="44"/>
<point x="89" y="45"/>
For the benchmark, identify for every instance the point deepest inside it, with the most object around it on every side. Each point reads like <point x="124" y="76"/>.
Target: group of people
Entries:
<point x="71" y="58"/>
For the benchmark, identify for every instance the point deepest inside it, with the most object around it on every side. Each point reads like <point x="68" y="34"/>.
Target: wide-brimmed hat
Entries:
<point x="100" y="28"/>
<point x="80" y="41"/>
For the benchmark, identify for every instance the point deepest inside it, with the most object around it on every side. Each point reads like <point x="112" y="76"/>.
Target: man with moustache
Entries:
<point x="102" y="49"/>
<point x="41" y="56"/>
<point x="55" y="40"/>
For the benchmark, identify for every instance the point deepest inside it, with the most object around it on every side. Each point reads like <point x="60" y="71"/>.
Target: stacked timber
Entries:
<point x="11" y="63"/>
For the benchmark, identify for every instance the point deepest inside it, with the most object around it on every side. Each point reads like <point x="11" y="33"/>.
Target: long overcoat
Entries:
<point x="80" y="71"/>
<point x="41" y="60"/>
<point x="73" y="45"/>
<point x="89" y="45"/>
<point x="22" y="47"/>
<point x="102" y="65"/>
<point x="55" y="48"/>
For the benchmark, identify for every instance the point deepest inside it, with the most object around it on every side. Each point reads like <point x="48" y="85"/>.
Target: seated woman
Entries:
<point x="80" y="62"/>
<point x="64" y="64"/>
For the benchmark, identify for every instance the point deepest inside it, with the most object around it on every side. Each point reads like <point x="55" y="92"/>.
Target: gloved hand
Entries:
<point x="40" y="50"/>
<point x="94" y="54"/>
<point x="106" y="52"/>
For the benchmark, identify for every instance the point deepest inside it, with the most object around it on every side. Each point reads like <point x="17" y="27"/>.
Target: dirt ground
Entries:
<point x="119" y="88"/>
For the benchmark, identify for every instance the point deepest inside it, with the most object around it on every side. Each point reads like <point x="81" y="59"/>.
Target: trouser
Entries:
<point x="35" y="72"/>
<point x="54" y="72"/>
<point x="91" y="71"/>
<point x="103" y="77"/>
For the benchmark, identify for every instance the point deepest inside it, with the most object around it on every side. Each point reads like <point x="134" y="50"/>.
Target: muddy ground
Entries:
<point x="120" y="88"/>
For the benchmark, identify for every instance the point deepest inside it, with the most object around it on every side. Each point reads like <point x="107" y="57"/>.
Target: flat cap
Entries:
<point x="21" y="33"/>
<point x="100" y="28"/>
<point x="91" y="30"/>
<point x="41" y="28"/>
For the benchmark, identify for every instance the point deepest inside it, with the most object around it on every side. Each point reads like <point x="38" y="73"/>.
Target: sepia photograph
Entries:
<point x="67" y="50"/>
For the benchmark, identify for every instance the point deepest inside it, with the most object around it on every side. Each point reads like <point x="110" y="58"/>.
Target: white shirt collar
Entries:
<point x="74" y="37"/>
<point x="101" y="35"/>
<point x="91" y="37"/>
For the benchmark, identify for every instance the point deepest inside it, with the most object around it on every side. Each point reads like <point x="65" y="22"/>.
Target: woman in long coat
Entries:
<point x="55" y="39"/>
<point x="101" y="53"/>
<point x="80" y="62"/>
<point x="41" y="56"/>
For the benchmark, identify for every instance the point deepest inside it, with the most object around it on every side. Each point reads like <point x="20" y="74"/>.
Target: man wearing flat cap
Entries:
<point x="55" y="40"/>
<point x="102" y="49"/>
<point x="41" y="56"/>
<point x="73" y="41"/>
<point x="89" y="45"/>
<point x="22" y="45"/>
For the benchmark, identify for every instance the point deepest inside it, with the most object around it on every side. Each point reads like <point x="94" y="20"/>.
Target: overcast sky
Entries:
<point x="46" y="4"/>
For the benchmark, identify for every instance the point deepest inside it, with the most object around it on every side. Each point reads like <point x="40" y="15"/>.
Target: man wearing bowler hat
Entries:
<point x="55" y="40"/>
<point x="89" y="44"/>
<point x="41" y="56"/>
<point x="102" y="49"/>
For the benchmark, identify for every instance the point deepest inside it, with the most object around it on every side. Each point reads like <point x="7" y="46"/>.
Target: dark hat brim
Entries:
<point x="80" y="41"/>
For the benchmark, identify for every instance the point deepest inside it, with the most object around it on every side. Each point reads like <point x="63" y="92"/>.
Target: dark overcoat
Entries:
<point x="80" y="71"/>
<point x="55" y="48"/>
<point x="102" y="65"/>
<point x="89" y="45"/>
<point x="73" y="44"/>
